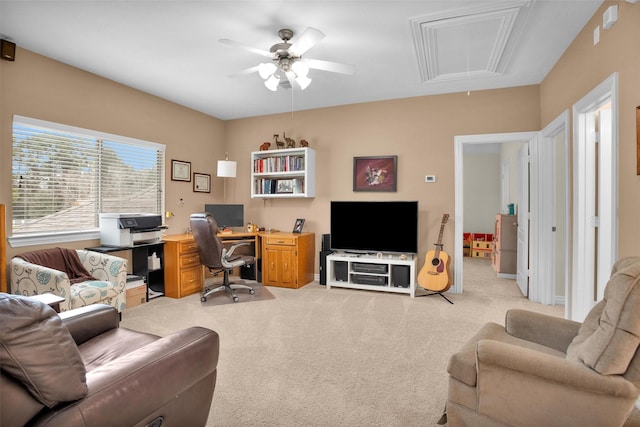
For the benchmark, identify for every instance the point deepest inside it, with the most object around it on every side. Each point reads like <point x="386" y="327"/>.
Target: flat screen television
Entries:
<point x="227" y="215"/>
<point x="368" y="226"/>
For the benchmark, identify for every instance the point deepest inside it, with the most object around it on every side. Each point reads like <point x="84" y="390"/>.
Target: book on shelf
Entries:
<point x="278" y="164"/>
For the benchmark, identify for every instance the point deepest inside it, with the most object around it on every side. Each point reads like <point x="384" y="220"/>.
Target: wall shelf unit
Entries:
<point x="389" y="273"/>
<point x="284" y="173"/>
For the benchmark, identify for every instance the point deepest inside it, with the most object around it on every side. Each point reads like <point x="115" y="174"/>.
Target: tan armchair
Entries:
<point x="542" y="370"/>
<point x="29" y="279"/>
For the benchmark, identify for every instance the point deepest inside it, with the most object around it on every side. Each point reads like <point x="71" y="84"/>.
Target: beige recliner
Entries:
<point x="540" y="370"/>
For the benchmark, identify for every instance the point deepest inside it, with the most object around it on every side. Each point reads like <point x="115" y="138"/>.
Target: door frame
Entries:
<point x="545" y="174"/>
<point x="459" y="142"/>
<point x="582" y="280"/>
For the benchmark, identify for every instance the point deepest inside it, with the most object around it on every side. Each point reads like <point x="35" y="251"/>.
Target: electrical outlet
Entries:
<point x="596" y="35"/>
<point x="429" y="178"/>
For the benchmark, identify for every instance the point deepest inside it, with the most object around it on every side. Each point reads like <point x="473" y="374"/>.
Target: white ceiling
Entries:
<point x="399" y="48"/>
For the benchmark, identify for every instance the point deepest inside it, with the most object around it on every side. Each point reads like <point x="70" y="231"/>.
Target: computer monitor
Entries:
<point x="227" y="215"/>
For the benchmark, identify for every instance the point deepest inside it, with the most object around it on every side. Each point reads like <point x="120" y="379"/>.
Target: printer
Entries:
<point x="129" y="229"/>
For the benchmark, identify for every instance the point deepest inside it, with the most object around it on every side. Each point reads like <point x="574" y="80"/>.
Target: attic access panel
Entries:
<point x="464" y="43"/>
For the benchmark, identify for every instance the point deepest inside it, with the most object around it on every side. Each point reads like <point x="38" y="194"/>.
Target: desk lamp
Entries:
<point x="226" y="169"/>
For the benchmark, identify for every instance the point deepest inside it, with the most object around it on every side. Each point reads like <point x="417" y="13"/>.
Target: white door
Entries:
<point x="549" y="214"/>
<point x="595" y="223"/>
<point x="523" y="221"/>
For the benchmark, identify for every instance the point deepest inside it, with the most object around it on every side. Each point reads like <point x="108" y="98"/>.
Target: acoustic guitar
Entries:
<point x="434" y="275"/>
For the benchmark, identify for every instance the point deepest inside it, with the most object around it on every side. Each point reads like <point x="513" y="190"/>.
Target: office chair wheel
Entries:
<point x="203" y="299"/>
<point x="251" y="292"/>
<point x="236" y="299"/>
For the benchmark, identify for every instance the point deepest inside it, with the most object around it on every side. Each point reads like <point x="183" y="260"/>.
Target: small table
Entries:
<point x="51" y="300"/>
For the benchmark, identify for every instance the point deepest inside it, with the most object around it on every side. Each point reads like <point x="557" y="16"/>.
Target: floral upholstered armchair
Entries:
<point x="106" y="284"/>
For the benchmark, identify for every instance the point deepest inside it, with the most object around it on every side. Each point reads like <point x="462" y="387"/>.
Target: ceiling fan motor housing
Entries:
<point x="280" y="51"/>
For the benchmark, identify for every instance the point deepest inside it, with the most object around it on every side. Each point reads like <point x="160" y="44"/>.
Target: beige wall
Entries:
<point x="38" y="87"/>
<point x="580" y="69"/>
<point x="420" y="131"/>
<point x="482" y="182"/>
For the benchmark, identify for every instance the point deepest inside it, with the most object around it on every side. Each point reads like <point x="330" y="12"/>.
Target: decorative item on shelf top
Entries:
<point x="291" y="143"/>
<point x="279" y="144"/>
<point x="304" y="143"/>
<point x="265" y="146"/>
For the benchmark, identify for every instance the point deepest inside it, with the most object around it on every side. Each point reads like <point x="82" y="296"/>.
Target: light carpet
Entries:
<point x="261" y="293"/>
<point x="338" y="357"/>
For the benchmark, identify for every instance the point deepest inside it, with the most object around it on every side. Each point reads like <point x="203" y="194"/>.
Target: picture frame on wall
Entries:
<point x="376" y="173"/>
<point x="180" y="170"/>
<point x="297" y="228"/>
<point x="201" y="182"/>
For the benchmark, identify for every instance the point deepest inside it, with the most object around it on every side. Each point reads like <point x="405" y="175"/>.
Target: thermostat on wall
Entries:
<point x="429" y="178"/>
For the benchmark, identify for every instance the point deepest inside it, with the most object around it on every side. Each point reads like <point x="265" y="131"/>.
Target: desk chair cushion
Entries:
<point x="609" y="336"/>
<point x="37" y="350"/>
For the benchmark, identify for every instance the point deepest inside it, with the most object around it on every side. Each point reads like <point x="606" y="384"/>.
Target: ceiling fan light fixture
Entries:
<point x="301" y="68"/>
<point x="303" y="81"/>
<point x="266" y="69"/>
<point x="272" y="82"/>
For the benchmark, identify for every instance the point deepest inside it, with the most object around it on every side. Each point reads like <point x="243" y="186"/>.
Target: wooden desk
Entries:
<point x="288" y="259"/>
<point x="183" y="273"/>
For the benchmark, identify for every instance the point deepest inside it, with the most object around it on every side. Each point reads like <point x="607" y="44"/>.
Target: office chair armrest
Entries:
<point x="233" y="247"/>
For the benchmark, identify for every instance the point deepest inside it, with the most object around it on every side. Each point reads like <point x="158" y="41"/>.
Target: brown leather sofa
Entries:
<point x="540" y="370"/>
<point x="79" y="368"/>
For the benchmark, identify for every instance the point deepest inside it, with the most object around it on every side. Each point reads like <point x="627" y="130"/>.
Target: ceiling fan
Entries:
<point x="286" y="59"/>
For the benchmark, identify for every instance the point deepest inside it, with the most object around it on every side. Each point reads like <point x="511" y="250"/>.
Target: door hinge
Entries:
<point x="596" y="137"/>
<point x="595" y="221"/>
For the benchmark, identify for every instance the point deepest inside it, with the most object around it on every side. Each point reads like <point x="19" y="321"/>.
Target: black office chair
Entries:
<point x="215" y="256"/>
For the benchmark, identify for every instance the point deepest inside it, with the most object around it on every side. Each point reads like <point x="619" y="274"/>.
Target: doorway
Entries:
<point x="462" y="144"/>
<point x="595" y="190"/>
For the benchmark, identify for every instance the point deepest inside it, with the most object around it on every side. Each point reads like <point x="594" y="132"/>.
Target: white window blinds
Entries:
<point x="64" y="177"/>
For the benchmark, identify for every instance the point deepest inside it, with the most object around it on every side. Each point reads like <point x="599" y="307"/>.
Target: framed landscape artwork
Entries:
<point x="379" y="173"/>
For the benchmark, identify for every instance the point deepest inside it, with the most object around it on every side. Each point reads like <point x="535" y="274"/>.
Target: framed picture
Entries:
<point x="201" y="182"/>
<point x="180" y="170"/>
<point x="284" y="186"/>
<point x="378" y="173"/>
<point x="297" y="228"/>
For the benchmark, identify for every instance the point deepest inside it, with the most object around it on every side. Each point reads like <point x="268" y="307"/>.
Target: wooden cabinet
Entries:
<point x="283" y="173"/>
<point x="505" y="244"/>
<point x="182" y="269"/>
<point x="288" y="259"/>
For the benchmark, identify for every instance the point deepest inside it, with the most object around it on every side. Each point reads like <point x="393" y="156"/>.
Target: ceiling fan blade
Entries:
<point x="305" y="41"/>
<point x="244" y="72"/>
<point x="246" y="47"/>
<point x="334" y="67"/>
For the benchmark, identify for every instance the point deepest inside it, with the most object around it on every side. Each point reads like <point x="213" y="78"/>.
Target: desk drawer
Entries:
<point x="188" y="246"/>
<point x="189" y="260"/>
<point x="191" y="281"/>
<point x="280" y="240"/>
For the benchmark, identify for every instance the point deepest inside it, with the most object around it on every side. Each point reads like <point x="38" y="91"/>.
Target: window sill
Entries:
<point x="50" y="238"/>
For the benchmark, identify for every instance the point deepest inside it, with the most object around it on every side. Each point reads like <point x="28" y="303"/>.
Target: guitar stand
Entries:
<point x="436" y="293"/>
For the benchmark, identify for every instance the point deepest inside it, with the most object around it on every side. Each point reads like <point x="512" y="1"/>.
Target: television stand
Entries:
<point x="387" y="273"/>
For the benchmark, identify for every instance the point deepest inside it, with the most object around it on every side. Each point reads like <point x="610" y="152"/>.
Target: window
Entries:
<point x="64" y="177"/>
